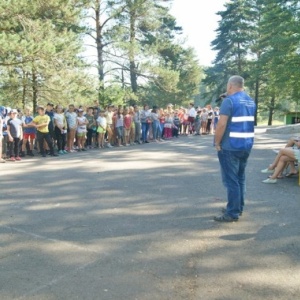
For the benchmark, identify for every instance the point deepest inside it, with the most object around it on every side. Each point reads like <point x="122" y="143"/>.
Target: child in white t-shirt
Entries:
<point x="102" y="125"/>
<point x="81" y="130"/>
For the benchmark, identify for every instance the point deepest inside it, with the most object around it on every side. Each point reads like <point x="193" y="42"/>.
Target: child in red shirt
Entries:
<point x="127" y="125"/>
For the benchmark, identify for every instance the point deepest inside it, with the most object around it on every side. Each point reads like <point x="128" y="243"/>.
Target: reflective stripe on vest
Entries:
<point x="242" y="134"/>
<point x="242" y="122"/>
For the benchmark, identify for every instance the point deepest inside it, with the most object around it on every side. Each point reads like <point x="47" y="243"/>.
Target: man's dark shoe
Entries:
<point x="54" y="154"/>
<point x="225" y="218"/>
<point x="44" y="155"/>
<point x="224" y="211"/>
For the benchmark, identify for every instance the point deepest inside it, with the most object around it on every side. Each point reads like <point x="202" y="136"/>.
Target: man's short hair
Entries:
<point x="237" y="81"/>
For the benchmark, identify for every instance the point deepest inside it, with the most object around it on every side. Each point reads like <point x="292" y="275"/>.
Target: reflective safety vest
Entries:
<point x="241" y="128"/>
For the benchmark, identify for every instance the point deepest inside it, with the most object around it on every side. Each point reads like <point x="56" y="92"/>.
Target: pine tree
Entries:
<point x="41" y="42"/>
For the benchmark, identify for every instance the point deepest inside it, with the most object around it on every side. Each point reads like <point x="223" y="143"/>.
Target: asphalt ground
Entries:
<point x="137" y="223"/>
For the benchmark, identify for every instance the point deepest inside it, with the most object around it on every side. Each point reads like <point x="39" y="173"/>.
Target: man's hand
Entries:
<point x="218" y="147"/>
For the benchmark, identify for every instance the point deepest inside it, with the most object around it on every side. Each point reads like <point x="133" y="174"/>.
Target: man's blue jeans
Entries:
<point x="145" y="129"/>
<point x="233" y="165"/>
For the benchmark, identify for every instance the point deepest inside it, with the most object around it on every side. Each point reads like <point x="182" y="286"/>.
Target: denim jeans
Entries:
<point x="233" y="165"/>
<point x="145" y="129"/>
<point x="156" y="129"/>
<point x="137" y="131"/>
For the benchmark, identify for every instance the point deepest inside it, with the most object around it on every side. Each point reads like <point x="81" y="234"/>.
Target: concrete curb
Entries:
<point x="289" y="129"/>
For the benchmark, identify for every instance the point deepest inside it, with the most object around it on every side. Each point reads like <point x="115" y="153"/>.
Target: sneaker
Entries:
<point x="270" y="180"/>
<point x="127" y="145"/>
<point x="12" y="159"/>
<point x="225" y="218"/>
<point x="109" y="145"/>
<point x="83" y="149"/>
<point x="54" y="154"/>
<point x="18" y="158"/>
<point x="44" y="155"/>
<point x="65" y="152"/>
<point x="224" y="211"/>
<point x="267" y="171"/>
<point x="276" y="151"/>
<point x="2" y="161"/>
<point x="61" y="152"/>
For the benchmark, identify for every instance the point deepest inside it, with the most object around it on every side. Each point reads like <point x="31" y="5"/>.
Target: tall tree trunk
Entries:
<point x="271" y="111"/>
<point x="132" y="64"/>
<point x="34" y="90"/>
<point x="256" y="98"/>
<point x="24" y="89"/>
<point x="99" y="42"/>
<point x="123" y="79"/>
<point x="239" y="60"/>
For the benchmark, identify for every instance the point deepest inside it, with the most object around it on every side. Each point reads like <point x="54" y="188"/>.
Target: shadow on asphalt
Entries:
<point x="136" y="223"/>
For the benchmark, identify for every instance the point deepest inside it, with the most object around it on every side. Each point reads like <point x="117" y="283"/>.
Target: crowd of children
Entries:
<point x="78" y="129"/>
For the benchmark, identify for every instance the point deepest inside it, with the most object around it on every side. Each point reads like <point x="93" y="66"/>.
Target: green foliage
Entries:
<point x="260" y="41"/>
<point x="39" y="58"/>
<point x="138" y="53"/>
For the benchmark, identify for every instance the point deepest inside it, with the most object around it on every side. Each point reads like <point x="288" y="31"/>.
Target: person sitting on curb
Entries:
<point x="284" y="156"/>
<point x="292" y="142"/>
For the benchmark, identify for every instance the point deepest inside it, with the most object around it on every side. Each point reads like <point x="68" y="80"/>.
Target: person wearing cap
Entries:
<point x="2" y="114"/>
<point x="15" y="135"/>
<point x="41" y="123"/>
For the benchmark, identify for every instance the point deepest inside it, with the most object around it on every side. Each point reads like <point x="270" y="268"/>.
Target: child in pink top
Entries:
<point x="127" y="125"/>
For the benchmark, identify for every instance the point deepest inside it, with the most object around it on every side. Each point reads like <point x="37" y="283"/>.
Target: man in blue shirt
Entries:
<point x="234" y="140"/>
